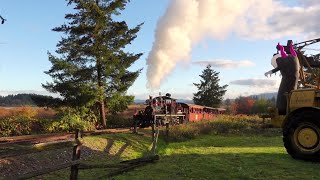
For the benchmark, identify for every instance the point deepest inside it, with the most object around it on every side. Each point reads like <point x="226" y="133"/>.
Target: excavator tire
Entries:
<point x="301" y="135"/>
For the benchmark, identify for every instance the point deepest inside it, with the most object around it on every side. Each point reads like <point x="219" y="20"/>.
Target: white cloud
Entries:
<point x="253" y="86"/>
<point x="255" y="82"/>
<point x="188" y="22"/>
<point x="228" y="64"/>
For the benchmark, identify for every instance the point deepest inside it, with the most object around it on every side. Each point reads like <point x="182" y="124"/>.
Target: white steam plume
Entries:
<point x="187" y="22"/>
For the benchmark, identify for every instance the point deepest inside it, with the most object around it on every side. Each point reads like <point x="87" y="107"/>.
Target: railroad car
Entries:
<point x="164" y="109"/>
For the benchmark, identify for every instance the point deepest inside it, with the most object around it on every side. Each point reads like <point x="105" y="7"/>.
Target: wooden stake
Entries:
<point x="75" y="156"/>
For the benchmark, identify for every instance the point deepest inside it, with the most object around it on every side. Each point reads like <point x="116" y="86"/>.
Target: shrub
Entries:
<point x="183" y="132"/>
<point x="24" y="121"/>
<point x="223" y="124"/>
<point x="69" y="119"/>
<point x="18" y="121"/>
<point x="14" y="126"/>
<point x="117" y="121"/>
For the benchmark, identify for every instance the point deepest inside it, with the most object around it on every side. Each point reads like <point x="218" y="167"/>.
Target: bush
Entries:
<point x="14" y="126"/>
<point x="183" y="132"/>
<point x="68" y="120"/>
<point x="117" y="121"/>
<point x="23" y="122"/>
<point x="223" y="124"/>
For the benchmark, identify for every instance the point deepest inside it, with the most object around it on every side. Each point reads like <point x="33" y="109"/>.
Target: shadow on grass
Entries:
<point x="135" y="141"/>
<point x="109" y="146"/>
<point x="227" y="166"/>
<point x="112" y="148"/>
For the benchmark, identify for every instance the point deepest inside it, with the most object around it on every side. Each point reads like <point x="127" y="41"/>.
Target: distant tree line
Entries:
<point x="249" y="105"/>
<point x="28" y="100"/>
<point x="16" y="100"/>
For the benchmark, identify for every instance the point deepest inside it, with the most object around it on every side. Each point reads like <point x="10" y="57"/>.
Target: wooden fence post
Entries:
<point x="167" y="131"/>
<point x="135" y="126"/>
<point x="75" y="156"/>
<point x="153" y="150"/>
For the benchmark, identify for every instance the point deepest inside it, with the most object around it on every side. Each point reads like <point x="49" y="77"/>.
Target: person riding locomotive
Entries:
<point x="161" y="105"/>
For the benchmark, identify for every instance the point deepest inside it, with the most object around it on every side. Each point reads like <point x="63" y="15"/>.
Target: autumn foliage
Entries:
<point x="250" y="105"/>
<point x="29" y="112"/>
<point x="244" y="105"/>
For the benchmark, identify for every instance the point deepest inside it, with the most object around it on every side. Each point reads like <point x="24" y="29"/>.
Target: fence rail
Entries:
<point x="76" y="164"/>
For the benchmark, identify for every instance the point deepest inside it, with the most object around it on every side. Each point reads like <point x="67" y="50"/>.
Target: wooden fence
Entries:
<point x="75" y="165"/>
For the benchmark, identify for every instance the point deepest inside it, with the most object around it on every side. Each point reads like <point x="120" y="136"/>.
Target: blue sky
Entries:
<point x="241" y="57"/>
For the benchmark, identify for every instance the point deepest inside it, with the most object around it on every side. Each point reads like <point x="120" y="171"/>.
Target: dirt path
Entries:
<point x="23" y="162"/>
<point x="44" y="138"/>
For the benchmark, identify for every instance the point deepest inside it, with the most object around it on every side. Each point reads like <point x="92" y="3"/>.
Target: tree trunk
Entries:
<point x="100" y="87"/>
<point x="102" y="115"/>
<point x="101" y="96"/>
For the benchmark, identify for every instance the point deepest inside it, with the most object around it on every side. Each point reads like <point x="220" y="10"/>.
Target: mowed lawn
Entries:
<point x="205" y="157"/>
<point x="226" y="157"/>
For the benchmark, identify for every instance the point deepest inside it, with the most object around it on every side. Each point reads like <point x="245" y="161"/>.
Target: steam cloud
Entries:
<point x="187" y="22"/>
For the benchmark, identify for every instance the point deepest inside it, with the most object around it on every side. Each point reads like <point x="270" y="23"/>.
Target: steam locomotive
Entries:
<point x="164" y="109"/>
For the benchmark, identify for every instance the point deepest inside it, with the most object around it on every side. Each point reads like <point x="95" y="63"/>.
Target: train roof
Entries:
<point x="193" y="105"/>
<point x="199" y="106"/>
<point x="164" y="97"/>
<point x="221" y="109"/>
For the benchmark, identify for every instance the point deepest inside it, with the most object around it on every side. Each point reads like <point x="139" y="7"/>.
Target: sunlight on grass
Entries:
<point x="204" y="157"/>
<point x="95" y="142"/>
<point x="112" y="145"/>
<point x="226" y="157"/>
<point x="224" y="150"/>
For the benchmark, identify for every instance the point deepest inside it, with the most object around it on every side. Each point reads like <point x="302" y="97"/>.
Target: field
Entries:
<point x="50" y="113"/>
<point x="35" y="120"/>
<point x="27" y="111"/>
<point x="229" y="155"/>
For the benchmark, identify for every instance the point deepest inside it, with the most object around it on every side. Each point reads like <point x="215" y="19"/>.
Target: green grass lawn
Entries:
<point x="226" y="157"/>
<point x="205" y="157"/>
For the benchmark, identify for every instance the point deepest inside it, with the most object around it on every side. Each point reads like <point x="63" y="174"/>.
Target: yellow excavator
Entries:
<point x="301" y="120"/>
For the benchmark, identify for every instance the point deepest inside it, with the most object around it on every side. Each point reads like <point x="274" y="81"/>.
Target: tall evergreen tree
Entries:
<point x="210" y="93"/>
<point x="92" y="66"/>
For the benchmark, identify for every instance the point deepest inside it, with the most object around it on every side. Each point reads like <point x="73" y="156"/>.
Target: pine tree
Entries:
<point x="210" y="93"/>
<point x="92" y="66"/>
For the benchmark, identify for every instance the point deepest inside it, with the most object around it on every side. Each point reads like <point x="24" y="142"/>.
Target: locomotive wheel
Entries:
<point x="301" y="136"/>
